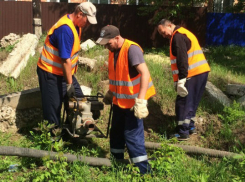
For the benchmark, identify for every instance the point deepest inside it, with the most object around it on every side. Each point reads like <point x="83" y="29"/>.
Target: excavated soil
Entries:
<point x="3" y="55"/>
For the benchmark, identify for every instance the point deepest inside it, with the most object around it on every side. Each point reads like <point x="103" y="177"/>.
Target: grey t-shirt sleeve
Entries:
<point x="135" y="57"/>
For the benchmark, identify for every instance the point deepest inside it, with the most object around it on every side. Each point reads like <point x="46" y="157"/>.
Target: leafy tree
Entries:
<point x="173" y="9"/>
<point x="239" y="7"/>
<point x="167" y="9"/>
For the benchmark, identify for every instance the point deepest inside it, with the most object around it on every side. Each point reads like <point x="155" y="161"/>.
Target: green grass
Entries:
<point x="226" y="65"/>
<point x="172" y="164"/>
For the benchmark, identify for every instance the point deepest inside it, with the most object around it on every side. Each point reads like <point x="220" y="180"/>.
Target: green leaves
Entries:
<point x="233" y="113"/>
<point x="167" y="9"/>
<point x="54" y="171"/>
<point x="166" y="160"/>
<point x="44" y="141"/>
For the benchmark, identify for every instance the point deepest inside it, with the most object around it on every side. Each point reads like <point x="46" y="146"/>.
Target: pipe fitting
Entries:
<point x="89" y="124"/>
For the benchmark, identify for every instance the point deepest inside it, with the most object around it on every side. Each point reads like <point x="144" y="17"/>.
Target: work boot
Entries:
<point x="193" y="131"/>
<point x="180" y="137"/>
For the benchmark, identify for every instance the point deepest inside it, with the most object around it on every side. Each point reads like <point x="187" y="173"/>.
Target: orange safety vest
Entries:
<point x="49" y="59"/>
<point x="124" y="88"/>
<point x="196" y="59"/>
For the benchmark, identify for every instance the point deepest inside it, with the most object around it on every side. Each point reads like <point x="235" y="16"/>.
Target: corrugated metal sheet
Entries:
<point x="225" y="29"/>
<point x="15" y="17"/>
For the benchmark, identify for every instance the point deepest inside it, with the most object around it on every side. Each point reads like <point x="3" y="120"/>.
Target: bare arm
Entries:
<point x="66" y="66"/>
<point x="144" y="80"/>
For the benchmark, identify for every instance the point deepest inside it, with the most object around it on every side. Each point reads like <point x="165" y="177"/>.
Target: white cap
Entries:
<point x="89" y="10"/>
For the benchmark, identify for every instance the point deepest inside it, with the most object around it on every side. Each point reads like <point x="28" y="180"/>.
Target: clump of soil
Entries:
<point x="3" y="55"/>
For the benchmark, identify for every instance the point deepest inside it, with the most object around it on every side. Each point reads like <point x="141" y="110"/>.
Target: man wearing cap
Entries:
<point x="58" y="60"/>
<point x="130" y="86"/>
<point x="190" y="73"/>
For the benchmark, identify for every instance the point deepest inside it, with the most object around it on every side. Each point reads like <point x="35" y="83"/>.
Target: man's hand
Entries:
<point x="181" y="89"/>
<point x="70" y="90"/>
<point x="140" y="108"/>
<point x="108" y="97"/>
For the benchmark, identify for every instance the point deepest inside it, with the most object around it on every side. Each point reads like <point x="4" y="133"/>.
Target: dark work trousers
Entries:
<point x="53" y="92"/>
<point x="129" y="130"/>
<point x="186" y="107"/>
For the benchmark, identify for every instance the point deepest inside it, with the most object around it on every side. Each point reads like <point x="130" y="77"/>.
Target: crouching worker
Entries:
<point x="58" y="60"/>
<point x="130" y="86"/>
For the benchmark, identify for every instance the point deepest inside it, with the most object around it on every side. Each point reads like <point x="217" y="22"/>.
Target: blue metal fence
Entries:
<point x="225" y="29"/>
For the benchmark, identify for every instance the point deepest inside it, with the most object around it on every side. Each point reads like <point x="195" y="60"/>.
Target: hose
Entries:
<point x="196" y="150"/>
<point x="94" y="161"/>
<point x="26" y="152"/>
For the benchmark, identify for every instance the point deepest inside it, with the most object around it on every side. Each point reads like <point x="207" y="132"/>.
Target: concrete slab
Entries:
<point x="22" y="100"/>
<point x="87" y="45"/>
<point x="235" y="89"/>
<point x="19" y="57"/>
<point x="216" y="95"/>
<point x="28" y="99"/>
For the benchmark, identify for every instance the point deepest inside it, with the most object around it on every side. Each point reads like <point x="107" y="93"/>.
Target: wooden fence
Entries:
<point x="16" y="17"/>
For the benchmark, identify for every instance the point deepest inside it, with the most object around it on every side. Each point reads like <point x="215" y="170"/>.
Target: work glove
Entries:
<point x="108" y="97"/>
<point x="140" y="108"/>
<point x="70" y="90"/>
<point x="181" y="89"/>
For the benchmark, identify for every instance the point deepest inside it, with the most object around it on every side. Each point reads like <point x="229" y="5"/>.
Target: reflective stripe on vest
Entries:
<point x="49" y="49"/>
<point x="173" y="61"/>
<point x="192" y="66"/>
<point x="49" y="59"/>
<point x="125" y="83"/>
<point x="125" y="96"/>
<point x="196" y="59"/>
<point x="139" y="159"/>
<point x="54" y="63"/>
<point x="124" y="88"/>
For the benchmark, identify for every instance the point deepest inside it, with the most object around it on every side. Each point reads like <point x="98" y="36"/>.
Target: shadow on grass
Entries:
<point x="227" y="56"/>
<point x="158" y="122"/>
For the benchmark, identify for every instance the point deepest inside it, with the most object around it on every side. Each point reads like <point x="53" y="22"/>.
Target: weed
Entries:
<point x="9" y="48"/>
<point x="53" y="171"/>
<point x="11" y="83"/>
<point x="167" y="159"/>
<point x="45" y="140"/>
<point x="233" y="114"/>
<point x="230" y="117"/>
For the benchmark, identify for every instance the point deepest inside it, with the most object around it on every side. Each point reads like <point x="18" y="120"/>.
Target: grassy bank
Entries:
<point x="222" y="127"/>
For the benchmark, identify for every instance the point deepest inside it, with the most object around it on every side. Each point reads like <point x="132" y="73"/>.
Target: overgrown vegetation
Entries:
<point x="178" y="9"/>
<point x="223" y="128"/>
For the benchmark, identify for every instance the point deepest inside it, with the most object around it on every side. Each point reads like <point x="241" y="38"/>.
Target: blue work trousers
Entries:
<point x="53" y="92"/>
<point x="129" y="130"/>
<point x="186" y="107"/>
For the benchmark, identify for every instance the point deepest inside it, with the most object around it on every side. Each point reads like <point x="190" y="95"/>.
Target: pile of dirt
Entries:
<point x="3" y="55"/>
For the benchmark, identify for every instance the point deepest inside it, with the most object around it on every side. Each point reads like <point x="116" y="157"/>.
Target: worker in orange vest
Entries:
<point x="130" y="86"/>
<point x="190" y="73"/>
<point x="58" y="61"/>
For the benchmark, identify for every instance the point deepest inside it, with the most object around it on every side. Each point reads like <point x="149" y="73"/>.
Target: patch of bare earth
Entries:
<point x="240" y="133"/>
<point x="3" y="55"/>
